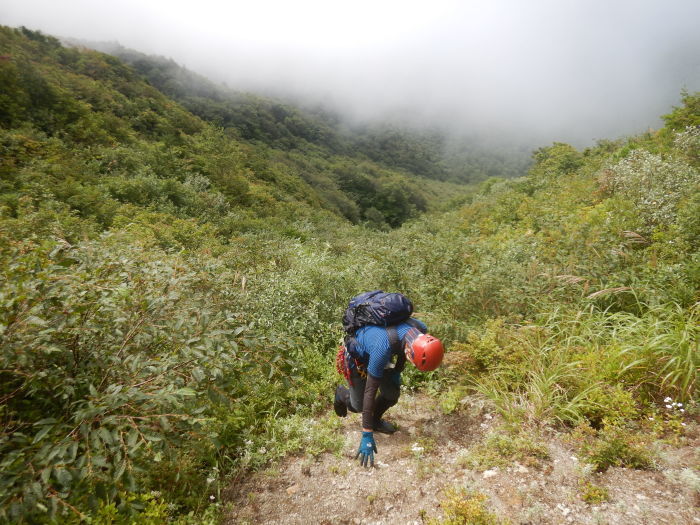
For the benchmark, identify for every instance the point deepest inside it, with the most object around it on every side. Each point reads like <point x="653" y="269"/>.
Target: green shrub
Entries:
<point x="142" y="508"/>
<point x="689" y="218"/>
<point x="615" y="447"/>
<point x="463" y="507"/>
<point x="124" y="349"/>
<point x="502" y="449"/>
<point x="497" y="345"/>
<point x="654" y="184"/>
<point x="294" y="434"/>
<point x="593" y="494"/>
<point x="610" y="406"/>
<point x="450" y="400"/>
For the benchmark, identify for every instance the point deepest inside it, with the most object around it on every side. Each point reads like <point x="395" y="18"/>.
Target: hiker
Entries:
<point x="374" y="355"/>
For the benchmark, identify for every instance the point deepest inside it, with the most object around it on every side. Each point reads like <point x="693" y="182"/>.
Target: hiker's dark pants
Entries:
<point x="388" y="396"/>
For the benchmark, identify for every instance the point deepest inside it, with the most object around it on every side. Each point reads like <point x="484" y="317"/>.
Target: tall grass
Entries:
<point x="596" y="363"/>
<point x="550" y="393"/>
<point x="662" y="351"/>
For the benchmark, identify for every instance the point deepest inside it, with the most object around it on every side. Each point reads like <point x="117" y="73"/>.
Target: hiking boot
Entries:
<point x="339" y="403"/>
<point x="384" y="427"/>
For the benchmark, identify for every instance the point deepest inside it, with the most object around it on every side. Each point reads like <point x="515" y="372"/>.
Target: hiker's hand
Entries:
<point x="366" y="450"/>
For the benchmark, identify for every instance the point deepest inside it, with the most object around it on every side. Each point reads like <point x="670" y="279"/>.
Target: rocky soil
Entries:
<point x="416" y="465"/>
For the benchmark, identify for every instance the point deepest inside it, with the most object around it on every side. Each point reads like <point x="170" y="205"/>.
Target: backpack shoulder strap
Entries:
<point x="396" y="346"/>
<point x="393" y="333"/>
<point x="394" y="342"/>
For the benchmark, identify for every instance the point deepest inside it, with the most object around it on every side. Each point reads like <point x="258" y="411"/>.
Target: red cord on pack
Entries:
<point x="341" y="364"/>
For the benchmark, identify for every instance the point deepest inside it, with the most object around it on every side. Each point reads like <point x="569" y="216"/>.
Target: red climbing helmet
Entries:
<point x="424" y="351"/>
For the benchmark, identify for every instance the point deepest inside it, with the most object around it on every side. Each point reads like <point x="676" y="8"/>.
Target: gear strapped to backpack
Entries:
<point x="377" y="308"/>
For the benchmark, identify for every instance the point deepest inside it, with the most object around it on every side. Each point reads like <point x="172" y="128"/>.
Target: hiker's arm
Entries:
<point x="371" y="387"/>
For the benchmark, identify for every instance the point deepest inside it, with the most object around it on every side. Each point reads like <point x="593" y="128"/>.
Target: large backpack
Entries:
<point x="376" y="308"/>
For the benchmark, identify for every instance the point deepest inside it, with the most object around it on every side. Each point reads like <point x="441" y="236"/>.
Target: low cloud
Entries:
<point x="538" y="71"/>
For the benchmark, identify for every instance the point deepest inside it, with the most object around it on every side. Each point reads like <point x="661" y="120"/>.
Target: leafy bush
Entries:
<point x="81" y="421"/>
<point x="689" y="218"/>
<point x="688" y="144"/>
<point x="593" y="494"/>
<point x="463" y="507"/>
<point x="687" y="115"/>
<point x="498" y="346"/>
<point x="451" y="400"/>
<point x="614" y="447"/>
<point x="654" y="184"/>
<point x="618" y="452"/>
<point x="610" y="405"/>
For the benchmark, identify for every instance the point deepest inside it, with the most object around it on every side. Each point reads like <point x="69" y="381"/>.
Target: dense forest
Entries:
<point x="176" y="259"/>
<point x="287" y="126"/>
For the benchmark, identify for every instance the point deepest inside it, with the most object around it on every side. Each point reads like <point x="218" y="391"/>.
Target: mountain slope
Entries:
<point x="170" y="304"/>
<point x="109" y="121"/>
<point x="424" y="472"/>
<point x="429" y="153"/>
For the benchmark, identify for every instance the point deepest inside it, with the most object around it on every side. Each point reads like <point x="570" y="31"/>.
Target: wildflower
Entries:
<point x="211" y="480"/>
<point x="248" y="442"/>
<point x="262" y="450"/>
<point x="212" y="498"/>
<point x="416" y="448"/>
<point x="667" y="400"/>
<point x="669" y="407"/>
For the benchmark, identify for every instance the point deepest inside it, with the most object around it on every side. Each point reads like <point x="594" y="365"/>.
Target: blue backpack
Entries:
<point x="375" y="308"/>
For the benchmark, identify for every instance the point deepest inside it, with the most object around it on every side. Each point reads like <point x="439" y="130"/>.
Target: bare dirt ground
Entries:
<point x="408" y="483"/>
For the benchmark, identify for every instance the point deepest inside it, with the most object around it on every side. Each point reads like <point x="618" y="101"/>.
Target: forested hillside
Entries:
<point x="282" y="125"/>
<point x="91" y="103"/>
<point x="171" y="293"/>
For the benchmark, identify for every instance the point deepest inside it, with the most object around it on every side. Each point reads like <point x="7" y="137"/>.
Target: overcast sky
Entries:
<point x="571" y="70"/>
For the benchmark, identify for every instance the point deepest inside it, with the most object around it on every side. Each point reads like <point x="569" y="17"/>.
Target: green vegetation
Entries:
<point x="171" y="291"/>
<point x="462" y="507"/>
<point x="501" y="449"/>
<point x="615" y="446"/>
<point x="100" y="138"/>
<point x="593" y="494"/>
<point x="280" y="125"/>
